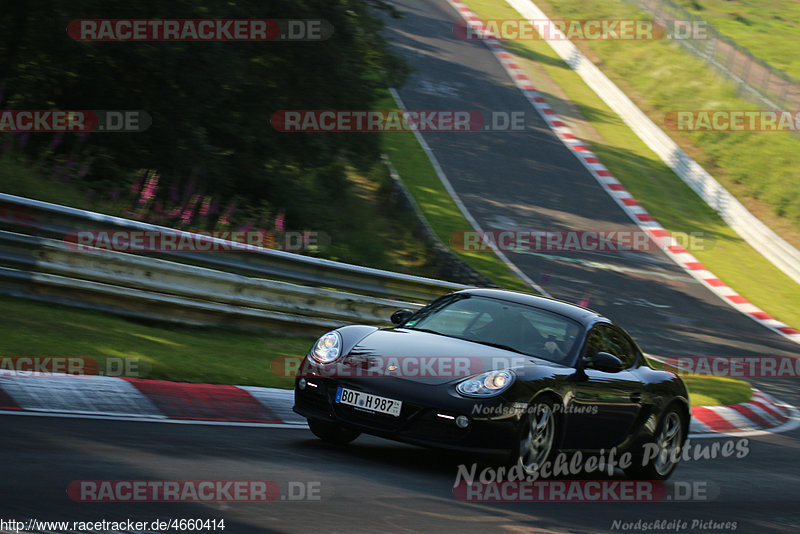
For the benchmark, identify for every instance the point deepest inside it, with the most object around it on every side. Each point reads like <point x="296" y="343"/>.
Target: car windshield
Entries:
<point x="524" y="329"/>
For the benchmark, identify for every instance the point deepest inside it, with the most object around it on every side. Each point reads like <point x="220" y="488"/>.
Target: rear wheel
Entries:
<point x="668" y="440"/>
<point x="331" y="432"/>
<point x="538" y="437"/>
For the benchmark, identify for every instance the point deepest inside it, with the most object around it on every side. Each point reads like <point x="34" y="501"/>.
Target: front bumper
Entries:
<point x="422" y="421"/>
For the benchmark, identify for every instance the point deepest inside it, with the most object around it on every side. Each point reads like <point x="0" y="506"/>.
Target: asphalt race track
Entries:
<point x="372" y="485"/>
<point x="507" y="180"/>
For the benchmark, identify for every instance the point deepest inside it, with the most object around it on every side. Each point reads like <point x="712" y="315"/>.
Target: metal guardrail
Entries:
<point x="54" y="221"/>
<point x="149" y="288"/>
<point x="241" y="285"/>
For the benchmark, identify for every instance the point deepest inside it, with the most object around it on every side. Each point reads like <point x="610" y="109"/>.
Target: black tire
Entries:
<point x="669" y="438"/>
<point x="331" y="432"/>
<point x="538" y="437"/>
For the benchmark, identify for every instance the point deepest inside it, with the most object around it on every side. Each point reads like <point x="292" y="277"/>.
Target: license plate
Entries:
<point x="368" y="401"/>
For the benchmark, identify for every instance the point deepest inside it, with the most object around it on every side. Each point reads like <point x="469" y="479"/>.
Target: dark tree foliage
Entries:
<point x="210" y="101"/>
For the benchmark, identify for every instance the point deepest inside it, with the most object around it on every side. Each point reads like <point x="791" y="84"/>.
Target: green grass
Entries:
<point x="184" y="354"/>
<point x="768" y="28"/>
<point x="672" y="79"/>
<point x="716" y="390"/>
<point x="443" y="215"/>
<point x="20" y="177"/>
<point x="391" y="242"/>
<point x="705" y="390"/>
<point x="207" y="355"/>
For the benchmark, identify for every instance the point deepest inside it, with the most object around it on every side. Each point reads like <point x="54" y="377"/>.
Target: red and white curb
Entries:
<point x="763" y="414"/>
<point x="178" y="402"/>
<point x="147" y="400"/>
<point x="614" y="188"/>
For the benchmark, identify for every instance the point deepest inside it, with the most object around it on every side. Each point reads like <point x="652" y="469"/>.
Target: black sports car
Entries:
<point x="489" y="371"/>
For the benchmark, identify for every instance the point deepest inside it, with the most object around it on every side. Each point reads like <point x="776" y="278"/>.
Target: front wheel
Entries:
<point x="538" y="438"/>
<point x="331" y="432"/>
<point x="660" y="461"/>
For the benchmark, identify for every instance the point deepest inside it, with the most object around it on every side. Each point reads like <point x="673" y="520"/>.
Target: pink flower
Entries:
<point x="189" y="211"/>
<point x="205" y="206"/>
<point x="149" y="189"/>
<point x="226" y="217"/>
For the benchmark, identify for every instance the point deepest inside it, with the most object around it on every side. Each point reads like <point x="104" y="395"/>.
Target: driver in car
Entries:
<point x="560" y="349"/>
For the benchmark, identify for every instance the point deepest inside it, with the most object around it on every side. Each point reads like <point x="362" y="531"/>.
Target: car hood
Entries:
<point x="427" y="358"/>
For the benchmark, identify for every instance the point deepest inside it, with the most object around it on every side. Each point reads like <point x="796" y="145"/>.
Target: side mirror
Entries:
<point x="401" y="316"/>
<point x="604" y="361"/>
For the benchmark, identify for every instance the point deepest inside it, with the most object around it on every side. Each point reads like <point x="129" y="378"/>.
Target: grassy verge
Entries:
<point x="25" y="179"/>
<point x="768" y="28"/>
<point x="183" y="354"/>
<point x="667" y="75"/>
<point x="705" y="390"/>
<point x="443" y="215"/>
<point x="716" y="390"/>
<point x="217" y="356"/>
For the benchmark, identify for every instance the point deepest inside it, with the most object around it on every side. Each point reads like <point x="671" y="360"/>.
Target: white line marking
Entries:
<point x="467" y="215"/>
<point x="155" y="420"/>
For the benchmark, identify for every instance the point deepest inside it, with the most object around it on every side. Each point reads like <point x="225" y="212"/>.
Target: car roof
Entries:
<point x="577" y="313"/>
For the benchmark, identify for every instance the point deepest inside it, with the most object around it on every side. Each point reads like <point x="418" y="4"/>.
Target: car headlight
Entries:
<point x="486" y="384"/>
<point x="328" y="347"/>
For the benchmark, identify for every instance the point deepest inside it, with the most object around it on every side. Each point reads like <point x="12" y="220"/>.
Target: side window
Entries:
<point x="606" y="339"/>
<point x="594" y="342"/>
<point x="618" y="345"/>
